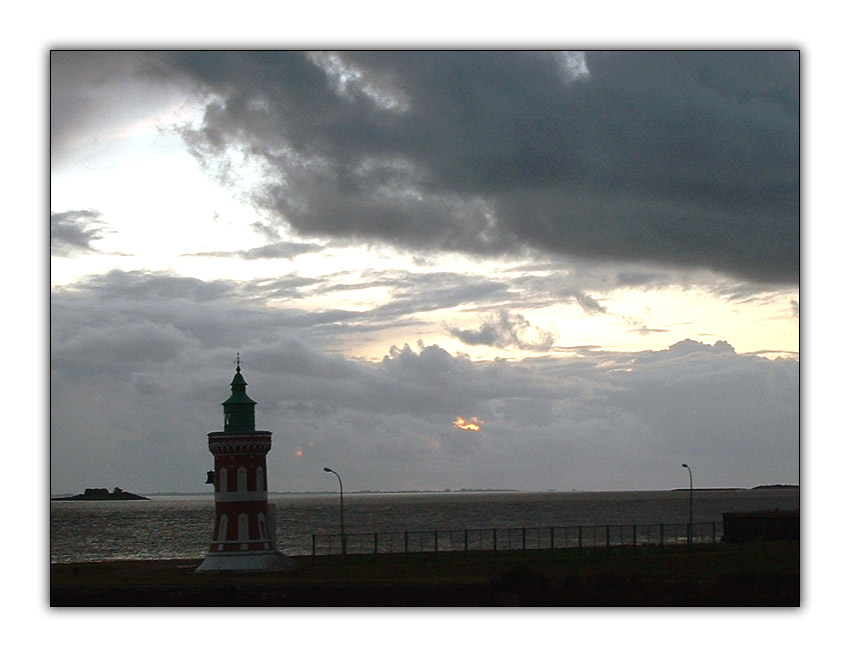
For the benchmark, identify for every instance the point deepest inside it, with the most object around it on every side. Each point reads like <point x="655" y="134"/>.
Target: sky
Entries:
<point x="532" y="270"/>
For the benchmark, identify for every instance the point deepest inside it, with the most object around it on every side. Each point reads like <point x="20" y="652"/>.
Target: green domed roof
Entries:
<point x="239" y="407"/>
<point x="237" y="388"/>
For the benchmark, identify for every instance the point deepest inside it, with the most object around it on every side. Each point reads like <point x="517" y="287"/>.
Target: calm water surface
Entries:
<point x="172" y="527"/>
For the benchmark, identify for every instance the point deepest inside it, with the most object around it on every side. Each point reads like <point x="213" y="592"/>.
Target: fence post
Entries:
<point x="661" y="535"/>
<point x="713" y="533"/>
<point x="435" y="543"/>
<point x="523" y="539"/>
<point x="495" y="547"/>
<point x="375" y="540"/>
<point x="465" y="541"/>
<point x="579" y="540"/>
<point x="634" y="537"/>
<point x="551" y="538"/>
<point x="314" y="548"/>
<point x="608" y="537"/>
<point x="405" y="542"/>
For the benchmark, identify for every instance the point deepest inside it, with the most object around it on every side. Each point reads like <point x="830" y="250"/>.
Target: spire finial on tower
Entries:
<point x="238" y="363"/>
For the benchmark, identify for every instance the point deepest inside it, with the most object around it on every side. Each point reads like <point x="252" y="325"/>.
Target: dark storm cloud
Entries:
<point x="273" y="251"/>
<point x="590" y="305"/>
<point x="506" y="330"/>
<point x="186" y="310"/>
<point x="645" y="330"/>
<point x="678" y="158"/>
<point x="72" y="233"/>
<point x="428" y="291"/>
<point x="175" y="311"/>
<point x="686" y="348"/>
<point x="150" y="287"/>
<point x="145" y="370"/>
<point x="84" y="88"/>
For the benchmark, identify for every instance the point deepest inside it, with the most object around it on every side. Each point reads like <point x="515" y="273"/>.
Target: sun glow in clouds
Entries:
<point x="474" y="424"/>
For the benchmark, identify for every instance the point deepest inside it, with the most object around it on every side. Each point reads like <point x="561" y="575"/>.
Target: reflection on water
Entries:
<point x="181" y="527"/>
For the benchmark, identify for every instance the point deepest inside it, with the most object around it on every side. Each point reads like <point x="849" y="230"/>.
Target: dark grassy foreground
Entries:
<point x="752" y="574"/>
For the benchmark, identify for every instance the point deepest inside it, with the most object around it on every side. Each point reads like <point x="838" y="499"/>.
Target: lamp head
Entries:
<point x="684" y="465"/>
<point x="328" y="470"/>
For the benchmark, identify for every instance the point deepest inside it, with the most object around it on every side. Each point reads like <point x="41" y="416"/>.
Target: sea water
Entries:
<point x="181" y="527"/>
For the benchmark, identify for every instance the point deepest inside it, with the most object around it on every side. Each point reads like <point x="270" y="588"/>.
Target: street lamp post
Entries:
<point x="341" y="514"/>
<point x="690" y="501"/>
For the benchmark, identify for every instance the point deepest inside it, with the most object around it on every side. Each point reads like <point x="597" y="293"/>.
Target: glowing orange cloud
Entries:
<point x="474" y="424"/>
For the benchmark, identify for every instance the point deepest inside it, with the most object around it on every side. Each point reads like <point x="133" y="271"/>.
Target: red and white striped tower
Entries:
<point x="244" y="533"/>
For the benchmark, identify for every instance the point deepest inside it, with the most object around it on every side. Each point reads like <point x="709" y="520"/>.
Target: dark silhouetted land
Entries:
<point x="752" y="574"/>
<point x="99" y="495"/>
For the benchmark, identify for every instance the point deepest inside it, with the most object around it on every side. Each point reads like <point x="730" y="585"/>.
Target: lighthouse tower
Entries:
<point x="244" y="533"/>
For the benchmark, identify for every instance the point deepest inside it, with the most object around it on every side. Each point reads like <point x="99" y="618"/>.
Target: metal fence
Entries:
<point x="516" y="538"/>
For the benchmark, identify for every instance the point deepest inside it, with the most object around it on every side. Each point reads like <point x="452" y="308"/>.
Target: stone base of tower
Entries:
<point x="263" y="560"/>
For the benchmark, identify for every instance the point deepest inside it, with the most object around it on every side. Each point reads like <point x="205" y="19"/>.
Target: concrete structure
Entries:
<point x="244" y="533"/>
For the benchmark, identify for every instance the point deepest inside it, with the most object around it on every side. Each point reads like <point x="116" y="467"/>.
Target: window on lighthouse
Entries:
<point x="261" y="483"/>
<point x="222" y="530"/>
<point x="242" y="479"/>
<point x="243" y="530"/>
<point x="261" y="521"/>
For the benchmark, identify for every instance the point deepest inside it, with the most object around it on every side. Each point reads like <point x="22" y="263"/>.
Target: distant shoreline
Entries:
<point x="65" y="497"/>
<point x="767" y="487"/>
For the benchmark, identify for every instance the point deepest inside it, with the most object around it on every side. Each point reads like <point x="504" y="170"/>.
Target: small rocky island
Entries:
<point x="100" y="494"/>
